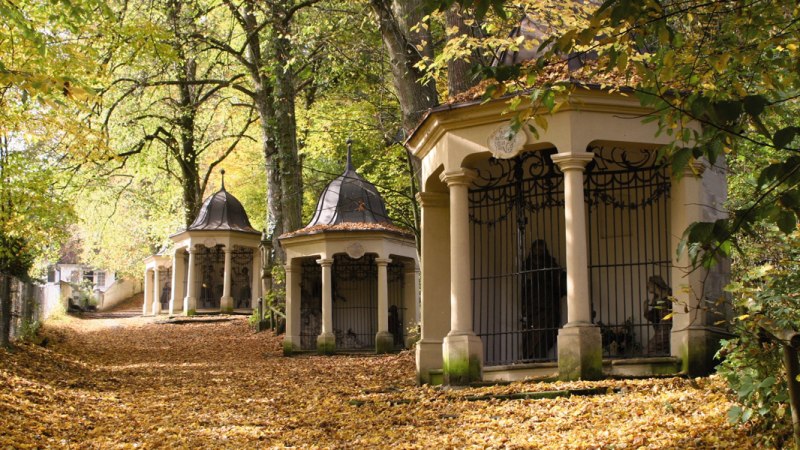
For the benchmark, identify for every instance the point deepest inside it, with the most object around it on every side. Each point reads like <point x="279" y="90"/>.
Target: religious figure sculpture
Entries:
<point x="657" y="307"/>
<point x="544" y="282"/>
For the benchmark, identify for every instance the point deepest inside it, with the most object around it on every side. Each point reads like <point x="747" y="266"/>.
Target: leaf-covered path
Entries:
<point x="133" y="383"/>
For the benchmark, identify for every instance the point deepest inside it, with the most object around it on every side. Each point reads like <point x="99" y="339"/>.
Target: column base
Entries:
<point x="291" y="344"/>
<point x="384" y="342"/>
<point x="580" y="352"/>
<point x="462" y="355"/>
<point x="696" y="347"/>
<point x="156" y="308"/>
<point x="226" y="305"/>
<point x="429" y="357"/>
<point x="189" y="306"/>
<point x="326" y="344"/>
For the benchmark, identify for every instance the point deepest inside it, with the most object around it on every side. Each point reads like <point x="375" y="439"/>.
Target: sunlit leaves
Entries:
<point x="147" y="385"/>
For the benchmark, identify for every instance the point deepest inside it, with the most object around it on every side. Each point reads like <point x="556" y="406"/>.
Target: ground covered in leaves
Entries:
<point x="134" y="383"/>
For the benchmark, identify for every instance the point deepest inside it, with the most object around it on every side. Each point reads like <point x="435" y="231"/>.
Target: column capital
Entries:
<point x="288" y="268"/>
<point x="458" y="177"/>
<point x="572" y="160"/>
<point x="325" y="262"/>
<point x="382" y="261"/>
<point x="694" y="169"/>
<point x="433" y="199"/>
<point x="227" y="248"/>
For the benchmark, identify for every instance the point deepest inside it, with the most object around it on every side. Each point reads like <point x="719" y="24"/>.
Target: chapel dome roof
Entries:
<point x="222" y="212"/>
<point x="349" y="198"/>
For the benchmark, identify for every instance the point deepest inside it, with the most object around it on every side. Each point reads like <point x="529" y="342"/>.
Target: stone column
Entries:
<point x="691" y="339"/>
<point x="148" y="293"/>
<point x="156" y="291"/>
<point x="435" y="283"/>
<point x="462" y="351"/>
<point x="411" y="300"/>
<point x="326" y="342"/>
<point x="190" y="301"/>
<point x="580" y="348"/>
<point x="178" y="275"/>
<point x="384" y="340"/>
<point x="226" y="302"/>
<point x="291" y="340"/>
<point x="255" y="280"/>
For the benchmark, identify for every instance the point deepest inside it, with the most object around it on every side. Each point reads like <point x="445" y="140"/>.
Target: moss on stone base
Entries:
<point x="227" y="310"/>
<point x="191" y="312"/>
<point x="585" y="367"/>
<point x="462" y="371"/>
<point x="384" y="344"/>
<point x="288" y="348"/>
<point x="326" y="347"/>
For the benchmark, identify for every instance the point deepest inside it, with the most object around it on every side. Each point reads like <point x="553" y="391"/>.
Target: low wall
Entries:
<point x="118" y="292"/>
<point x="53" y="298"/>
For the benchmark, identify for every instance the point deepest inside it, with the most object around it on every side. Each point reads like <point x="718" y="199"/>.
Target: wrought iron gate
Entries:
<point x="627" y="193"/>
<point x="516" y="210"/>
<point x="165" y="281"/>
<point x="355" y="302"/>
<point x="210" y="271"/>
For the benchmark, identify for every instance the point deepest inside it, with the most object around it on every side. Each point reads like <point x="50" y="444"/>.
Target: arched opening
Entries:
<point x="627" y="195"/>
<point x="516" y="212"/>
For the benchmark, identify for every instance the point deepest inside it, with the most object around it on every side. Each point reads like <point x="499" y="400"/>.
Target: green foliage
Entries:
<point x="29" y="331"/>
<point x="765" y="298"/>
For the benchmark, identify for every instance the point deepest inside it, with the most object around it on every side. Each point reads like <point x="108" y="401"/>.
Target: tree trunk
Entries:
<point x="395" y="20"/>
<point x="286" y="125"/>
<point x="459" y="78"/>
<point x="5" y="311"/>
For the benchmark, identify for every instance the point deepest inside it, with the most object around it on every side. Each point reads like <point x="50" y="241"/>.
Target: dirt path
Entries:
<point x="133" y="383"/>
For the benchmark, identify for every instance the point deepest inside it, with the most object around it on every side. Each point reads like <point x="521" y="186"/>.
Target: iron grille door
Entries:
<point x="627" y="197"/>
<point x="516" y="211"/>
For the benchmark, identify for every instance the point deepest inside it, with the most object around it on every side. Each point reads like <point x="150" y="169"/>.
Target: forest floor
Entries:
<point x="111" y="382"/>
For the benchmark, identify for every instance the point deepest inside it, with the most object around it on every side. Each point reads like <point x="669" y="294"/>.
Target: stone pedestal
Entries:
<point x="326" y="343"/>
<point x="580" y="353"/>
<point x="384" y="342"/>
<point x="463" y="359"/>
<point x="226" y="305"/>
<point x="429" y="357"/>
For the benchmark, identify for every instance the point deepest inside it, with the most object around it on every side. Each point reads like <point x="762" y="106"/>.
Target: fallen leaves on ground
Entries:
<point x="135" y="383"/>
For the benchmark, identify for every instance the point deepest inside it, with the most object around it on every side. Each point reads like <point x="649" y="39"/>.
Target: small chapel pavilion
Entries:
<point x="215" y="264"/>
<point x="556" y="254"/>
<point x="351" y="275"/>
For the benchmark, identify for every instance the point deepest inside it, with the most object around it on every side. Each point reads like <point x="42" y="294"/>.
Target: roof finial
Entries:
<point x="222" y="171"/>
<point x="349" y="158"/>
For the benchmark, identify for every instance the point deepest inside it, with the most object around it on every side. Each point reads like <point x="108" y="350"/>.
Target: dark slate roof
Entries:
<point x="222" y="211"/>
<point x="349" y="198"/>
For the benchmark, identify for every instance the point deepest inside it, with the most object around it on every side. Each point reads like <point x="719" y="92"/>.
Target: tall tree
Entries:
<point x="178" y="99"/>
<point x="258" y="35"/>
<point x="408" y="41"/>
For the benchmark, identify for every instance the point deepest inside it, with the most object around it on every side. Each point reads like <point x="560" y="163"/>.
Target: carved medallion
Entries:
<point x="355" y="250"/>
<point x="210" y="242"/>
<point x="504" y="143"/>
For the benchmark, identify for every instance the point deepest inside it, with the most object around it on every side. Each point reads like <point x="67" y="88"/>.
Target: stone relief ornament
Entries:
<point x="355" y="250"/>
<point x="210" y="242"/>
<point x="504" y="143"/>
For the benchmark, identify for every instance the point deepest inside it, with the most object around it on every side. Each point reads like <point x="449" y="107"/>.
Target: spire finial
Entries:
<point x="349" y="150"/>
<point x="222" y="172"/>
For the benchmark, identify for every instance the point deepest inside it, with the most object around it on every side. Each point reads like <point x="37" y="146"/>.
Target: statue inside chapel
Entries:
<point x="544" y="282"/>
<point x="657" y="306"/>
